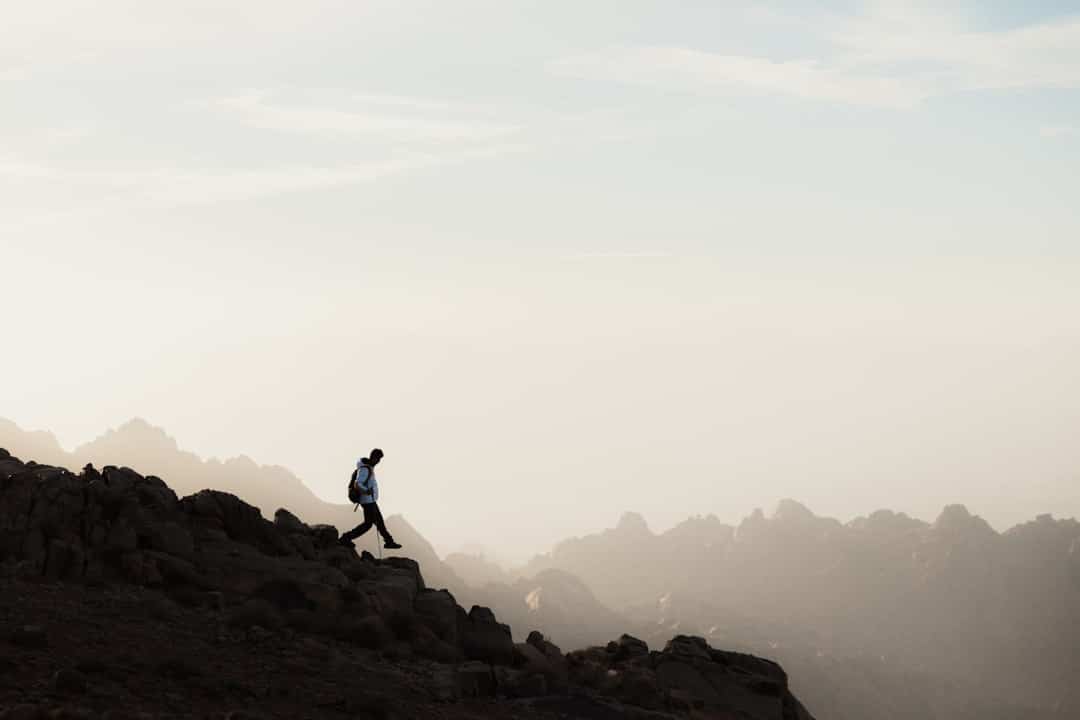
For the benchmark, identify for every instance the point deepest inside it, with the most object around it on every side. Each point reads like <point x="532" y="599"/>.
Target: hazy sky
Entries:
<point x="559" y="259"/>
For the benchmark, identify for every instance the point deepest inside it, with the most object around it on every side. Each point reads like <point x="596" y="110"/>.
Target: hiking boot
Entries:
<point x="346" y="542"/>
<point x="391" y="545"/>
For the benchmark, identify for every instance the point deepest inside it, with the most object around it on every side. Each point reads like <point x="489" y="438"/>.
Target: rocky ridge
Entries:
<point x="121" y="599"/>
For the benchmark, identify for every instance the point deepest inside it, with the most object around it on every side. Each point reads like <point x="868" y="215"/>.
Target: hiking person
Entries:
<point x="364" y="490"/>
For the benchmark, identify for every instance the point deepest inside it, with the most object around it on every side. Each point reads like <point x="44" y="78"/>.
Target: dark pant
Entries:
<point x="372" y="516"/>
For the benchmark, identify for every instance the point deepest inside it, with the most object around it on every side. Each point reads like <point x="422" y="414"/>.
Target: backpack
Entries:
<point x="354" y="489"/>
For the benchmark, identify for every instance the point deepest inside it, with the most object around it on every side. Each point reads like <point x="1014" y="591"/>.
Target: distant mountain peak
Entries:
<point x="138" y="424"/>
<point x="632" y="522"/>
<point x="958" y="519"/>
<point x="138" y="431"/>
<point x="788" y="509"/>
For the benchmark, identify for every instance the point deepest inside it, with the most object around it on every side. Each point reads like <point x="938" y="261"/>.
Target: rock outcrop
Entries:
<point x="272" y="581"/>
<point x="142" y="445"/>
<point x="689" y="676"/>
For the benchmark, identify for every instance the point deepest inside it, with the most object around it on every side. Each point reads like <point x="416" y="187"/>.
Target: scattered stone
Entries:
<point x="25" y="711"/>
<point x="629" y="646"/>
<point x="289" y="523"/>
<point x="30" y="636"/>
<point x="475" y="679"/>
<point x="485" y="639"/>
<point x="69" y="682"/>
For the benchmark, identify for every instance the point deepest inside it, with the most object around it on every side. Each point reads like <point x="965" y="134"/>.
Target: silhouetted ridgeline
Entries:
<point x="141" y="445"/>
<point x="118" y="596"/>
<point x="524" y="602"/>
<point x="881" y="618"/>
<point x="948" y="619"/>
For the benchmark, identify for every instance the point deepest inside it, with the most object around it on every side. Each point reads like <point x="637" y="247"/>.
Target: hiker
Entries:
<point x="364" y="490"/>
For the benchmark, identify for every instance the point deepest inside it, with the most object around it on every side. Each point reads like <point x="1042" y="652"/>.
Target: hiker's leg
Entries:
<point x="377" y="518"/>
<point x="362" y="527"/>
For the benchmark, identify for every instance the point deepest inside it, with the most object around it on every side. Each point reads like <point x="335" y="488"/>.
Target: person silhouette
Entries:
<point x="369" y="501"/>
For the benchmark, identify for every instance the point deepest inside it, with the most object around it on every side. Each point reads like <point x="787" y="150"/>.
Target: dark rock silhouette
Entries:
<point x="223" y="607"/>
<point x="139" y="444"/>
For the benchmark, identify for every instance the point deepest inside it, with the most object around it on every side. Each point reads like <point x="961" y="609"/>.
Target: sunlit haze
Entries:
<point x="559" y="260"/>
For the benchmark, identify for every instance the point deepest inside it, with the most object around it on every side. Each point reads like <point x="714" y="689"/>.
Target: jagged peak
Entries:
<point x="241" y="461"/>
<point x="788" y="509"/>
<point x="700" y="527"/>
<point x="632" y="522"/>
<point x="957" y="518"/>
<point x="887" y="521"/>
<point x="138" y="430"/>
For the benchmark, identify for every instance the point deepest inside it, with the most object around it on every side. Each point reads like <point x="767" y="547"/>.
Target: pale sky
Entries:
<point x="559" y="259"/>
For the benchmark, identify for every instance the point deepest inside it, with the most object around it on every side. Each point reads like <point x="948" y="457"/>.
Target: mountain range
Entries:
<point x="883" y="617"/>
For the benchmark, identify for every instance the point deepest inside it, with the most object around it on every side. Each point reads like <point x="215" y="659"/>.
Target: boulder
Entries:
<point x="544" y="657"/>
<point x="438" y="611"/>
<point x="370" y="632"/>
<point x="324" y="536"/>
<point x="289" y="594"/>
<point x="140" y="569"/>
<point x="484" y="638"/>
<point x="426" y="643"/>
<point x="29" y="636"/>
<point x="170" y="538"/>
<point x="255" y="612"/>
<point x="288" y="523"/>
<point x="23" y="711"/>
<point x="629" y="646"/>
<point x="475" y="679"/>
<point x="529" y="658"/>
<point x="68" y="682"/>
<point x="121" y="537"/>
<point x="687" y="646"/>
<point x="674" y="675"/>
<point x="64" y="561"/>
<point x="515" y="683"/>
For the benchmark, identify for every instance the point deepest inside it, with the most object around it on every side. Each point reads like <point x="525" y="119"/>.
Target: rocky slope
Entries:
<point x="556" y="602"/>
<point x="139" y="444"/>
<point x="119" y="599"/>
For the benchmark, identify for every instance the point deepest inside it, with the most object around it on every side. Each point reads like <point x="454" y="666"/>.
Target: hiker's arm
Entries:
<point x="363" y="478"/>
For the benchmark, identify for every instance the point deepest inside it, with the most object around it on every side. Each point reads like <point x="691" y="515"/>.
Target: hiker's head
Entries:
<point x="375" y="457"/>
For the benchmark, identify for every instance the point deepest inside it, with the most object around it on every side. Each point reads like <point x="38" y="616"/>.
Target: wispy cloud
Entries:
<point x="893" y="56"/>
<point x="944" y="53"/>
<point x="394" y="118"/>
<point x="176" y="187"/>
<point x="1059" y="131"/>
<point x="618" y="255"/>
<point x="697" y="71"/>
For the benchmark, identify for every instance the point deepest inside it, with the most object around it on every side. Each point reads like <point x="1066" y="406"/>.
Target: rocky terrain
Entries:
<point x="885" y="617"/>
<point x="139" y="444"/>
<point x="119" y="599"/>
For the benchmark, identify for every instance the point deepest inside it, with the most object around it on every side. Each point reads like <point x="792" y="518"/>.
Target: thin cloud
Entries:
<point x="1059" y="131"/>
<point x="945" y="54"/>
<point x="175" y="187"/>
<point x="388" y="117"/>
<point x="696" y="71"/>
<point x="892" y="57"/>
<point x="618" y="255"/>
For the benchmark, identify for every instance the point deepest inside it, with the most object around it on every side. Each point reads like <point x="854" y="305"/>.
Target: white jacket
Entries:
<point x="369" y="486"/>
